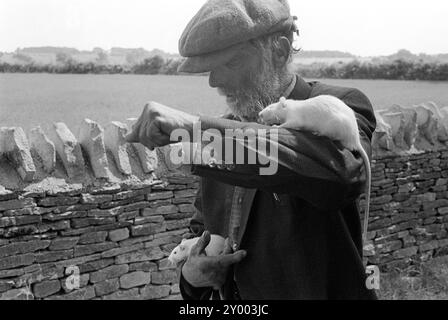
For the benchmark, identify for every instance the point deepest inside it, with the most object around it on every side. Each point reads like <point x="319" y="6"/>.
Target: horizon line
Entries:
<point x="177" y="53"/>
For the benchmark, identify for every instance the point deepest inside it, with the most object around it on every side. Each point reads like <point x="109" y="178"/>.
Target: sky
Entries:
<point x="362" y="27"/>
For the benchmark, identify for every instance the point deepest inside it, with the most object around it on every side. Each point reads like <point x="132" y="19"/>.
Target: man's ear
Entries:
<point x="282" y="51"/>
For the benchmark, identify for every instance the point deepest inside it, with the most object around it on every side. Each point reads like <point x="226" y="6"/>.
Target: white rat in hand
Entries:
<point x="182" y="251"/>
<point x="323" y="115"/>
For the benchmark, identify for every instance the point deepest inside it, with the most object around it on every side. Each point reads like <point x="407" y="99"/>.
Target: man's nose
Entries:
<point x="216" y="79"/>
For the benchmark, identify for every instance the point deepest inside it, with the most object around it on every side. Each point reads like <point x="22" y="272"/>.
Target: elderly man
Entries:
<point x="295" y="234"/>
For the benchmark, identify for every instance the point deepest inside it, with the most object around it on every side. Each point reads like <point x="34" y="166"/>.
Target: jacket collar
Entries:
<point x="301" y="91"/>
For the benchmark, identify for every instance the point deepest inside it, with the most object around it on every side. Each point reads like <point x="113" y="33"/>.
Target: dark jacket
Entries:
<point x="305" y="243"/>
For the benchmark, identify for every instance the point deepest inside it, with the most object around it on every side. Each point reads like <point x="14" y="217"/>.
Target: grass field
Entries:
<point x="28" y="100"/>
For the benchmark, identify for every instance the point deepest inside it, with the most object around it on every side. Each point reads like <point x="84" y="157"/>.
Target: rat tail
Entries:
<point x="366" y="160"/>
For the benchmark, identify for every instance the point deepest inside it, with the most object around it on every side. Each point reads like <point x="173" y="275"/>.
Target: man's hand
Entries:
<point x="154" y="126"/>
<point x="202" y="271"/>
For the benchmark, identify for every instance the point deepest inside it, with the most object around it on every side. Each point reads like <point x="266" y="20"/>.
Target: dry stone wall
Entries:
<point x="113" y="211"/>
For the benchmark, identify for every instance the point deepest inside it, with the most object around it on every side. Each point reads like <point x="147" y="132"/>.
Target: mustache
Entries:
<point x="226" y="92"/>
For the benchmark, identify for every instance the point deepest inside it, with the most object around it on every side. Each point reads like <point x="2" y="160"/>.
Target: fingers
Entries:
<point x="133" y="135"/>
<point x="227" y="247"/>
<point x="229" y="259"/>
<point x="149" y="133"/>
<point x="202" y="243"/>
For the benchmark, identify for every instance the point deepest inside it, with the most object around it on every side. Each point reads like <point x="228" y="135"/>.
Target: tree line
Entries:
<point x="64" y="64"/>
<point x="393" y="70"/>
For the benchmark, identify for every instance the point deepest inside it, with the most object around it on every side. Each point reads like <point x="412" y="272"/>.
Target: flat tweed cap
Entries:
<point x="221" y="27"/>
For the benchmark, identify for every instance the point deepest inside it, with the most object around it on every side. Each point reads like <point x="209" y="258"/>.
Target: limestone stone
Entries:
<point x="86" y="293"/>
<point x="58" y="201"/>
<point x="6" y="194"/>
<point x="23" y="247"/>
<point x="95" y="199"/>
<point x="130" y="194"/>
<point x="187" y="208"/>
<point x="145" y="266"/>
<point x="12" y="273"/>
<point x="106" y="189"/>
<point x="171" y="233"/>
<point x="382" y="137"/>
<point x="175" y="289"/>
<point x="63" y="243"/>
<point x="95" y="265"/>
<point x="78" y="261"/>
<point x="124" y="249"/>
<point x="110" y="272"/>
<point x="44" y="148"/>
<point x="54" y="256"/>
<point x="135" y="206"/>
<point x="150" y="219"/>
<point x="151" y="292"/>
<point x="96" y="213"/>
<point x="106" y="287"/>
<point x="160" y="196"/>
<point x="18" y="221"/>
<point x="126" y="216"/>
<point x="406" y="252"/>
<point x="21" y="231"/>
<point x="119" y="234"/>
<point x="14" y="144"/>
<point x="68" y="149"/>
<point x="91" y="138"/>
<point x="17" y="294"/>
<point x="160" y="203"/>
<point x="164" y="264"/>
<point x="132" y="294"/>
<point x="148" y="158"/>
<point x="390" y="246"/>
<point x="135" y="279"/>
<point x="46" y="288"/>
<point x="187" y="193"/>
<point x="190" y="200"/>
<point x="150" y="254"/>
<point x="177" y="224"/>
<point x="84" y="250"/>
<point x="93" y="237"/>
<point x="427" y="123"/>
<point x="115" y="141"/>
<point x="17" y="204"/>
<point x="54" y="226"/>
<point x="5" y="285"/>
<point x="443" y="124"/>
<point x="181" y="179"/>
<point x="147" y="229"/>
<point x="429" y="246"/>
<point x="134" y="241"/>
<point x="162" y="210"/>
<point x="16" y="261"/>
<point x="90" y="221"/>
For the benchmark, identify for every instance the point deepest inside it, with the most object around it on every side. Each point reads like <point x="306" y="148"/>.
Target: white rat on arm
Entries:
<point x="323" y="115"/>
